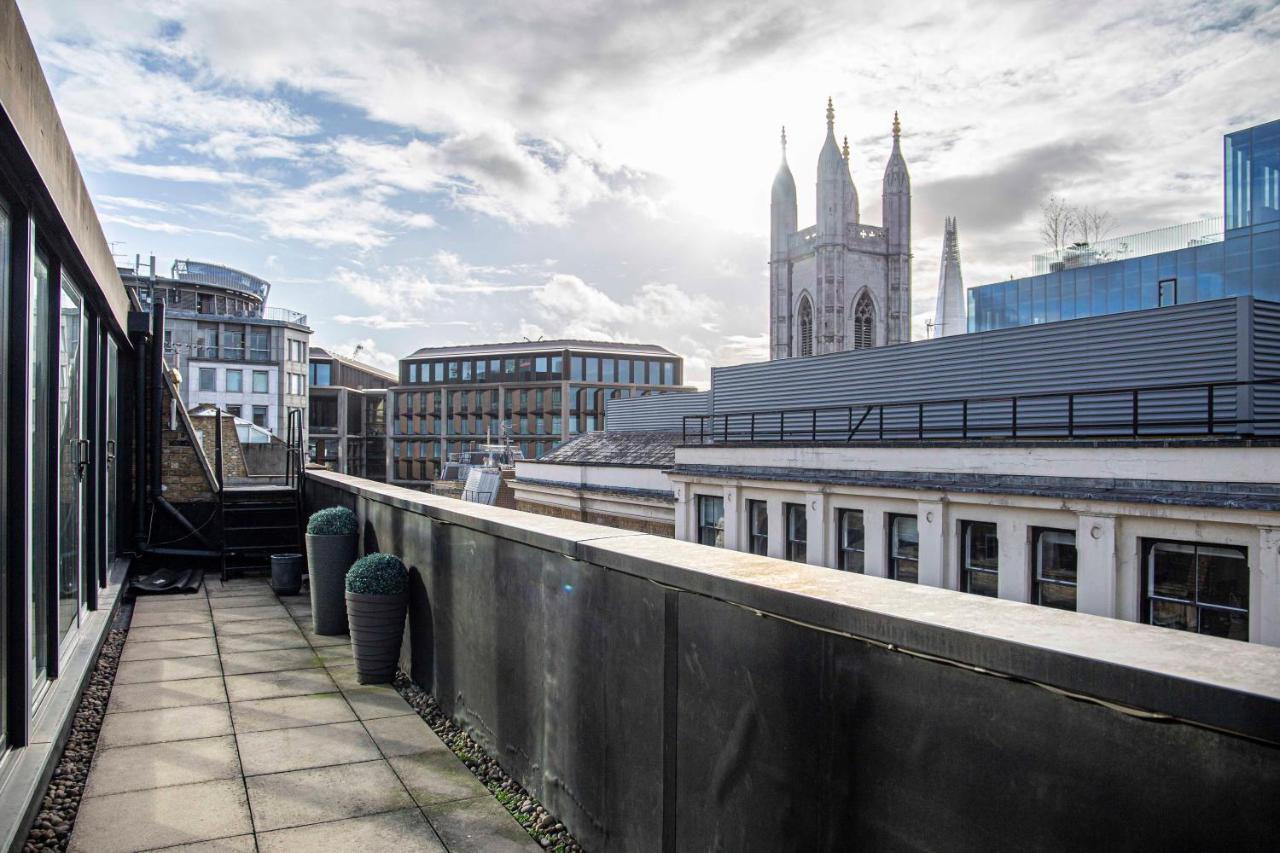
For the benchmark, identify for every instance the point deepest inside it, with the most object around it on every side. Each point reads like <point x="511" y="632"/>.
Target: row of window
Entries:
<point x="527" y="411"/>
<point x="1189" y="586"/>
<point x="297" y="383"/>
<point x="258" y="414"/>
<point x="535" y="368"/>
<point x="863" y="330"/>
<point x="235" y="381"/>
<point x="419" y="460"/>
<point x="229" y="343"/>
<point x="297" y="351"/>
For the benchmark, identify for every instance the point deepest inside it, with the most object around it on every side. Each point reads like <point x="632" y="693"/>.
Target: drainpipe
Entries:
<point x="157" y="395"/>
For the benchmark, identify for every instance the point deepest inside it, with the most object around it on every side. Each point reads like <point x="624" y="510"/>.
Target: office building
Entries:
<point x="231" y="350"/>
<point x="536" y="394"/>
<point x="1237" y="254"/>
<point x="347" y="422"/>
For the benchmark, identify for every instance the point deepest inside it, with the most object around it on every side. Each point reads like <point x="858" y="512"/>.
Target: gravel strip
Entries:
<point x="51" y="830"/>
<point x="537" y="821"/>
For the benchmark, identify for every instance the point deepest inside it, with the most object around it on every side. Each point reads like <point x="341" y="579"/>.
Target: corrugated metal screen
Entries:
<point x="657" y="412"/>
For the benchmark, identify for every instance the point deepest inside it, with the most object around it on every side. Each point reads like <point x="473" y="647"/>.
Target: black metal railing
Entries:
<point x="295" y="451"/>
<point x="1239" y="408"/>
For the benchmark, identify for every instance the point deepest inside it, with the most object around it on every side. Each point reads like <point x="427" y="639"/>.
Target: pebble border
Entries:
<point x="51" y="829"/>
<point x="545" y="829"/>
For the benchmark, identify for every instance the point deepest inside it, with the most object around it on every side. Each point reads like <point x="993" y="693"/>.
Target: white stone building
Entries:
<point x="839" y="284"/>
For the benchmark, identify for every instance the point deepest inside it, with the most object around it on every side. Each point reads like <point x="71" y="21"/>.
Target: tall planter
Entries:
<point x="377" y="628"/>
<point x="328" y="558"/>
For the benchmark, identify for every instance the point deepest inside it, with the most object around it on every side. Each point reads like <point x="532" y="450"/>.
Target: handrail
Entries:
<point x="809" y="423"/>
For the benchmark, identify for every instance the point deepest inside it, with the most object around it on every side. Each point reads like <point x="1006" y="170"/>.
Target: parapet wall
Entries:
<point x="659" y="695"/>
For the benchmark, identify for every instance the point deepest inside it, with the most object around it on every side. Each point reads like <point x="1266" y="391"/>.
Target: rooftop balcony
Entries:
<point x="1151" y="242"/>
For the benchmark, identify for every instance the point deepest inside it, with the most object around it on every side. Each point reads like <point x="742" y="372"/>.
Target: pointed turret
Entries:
<point x="851" y="213"/>
<point x="783" y="214"/>
<point x="833" y="173"/>
<point x="896" y="203"/>
<point x="950" y="316"/>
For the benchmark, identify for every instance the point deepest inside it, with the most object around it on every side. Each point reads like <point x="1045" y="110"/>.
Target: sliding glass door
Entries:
<point x="73" y="460"/>
<point x="40" y="465"/>
<point x="112" y="413"/>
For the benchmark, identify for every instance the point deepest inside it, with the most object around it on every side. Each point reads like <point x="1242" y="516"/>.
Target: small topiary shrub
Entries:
<point x="378" y="574"/>
<point x="334" y="521"/>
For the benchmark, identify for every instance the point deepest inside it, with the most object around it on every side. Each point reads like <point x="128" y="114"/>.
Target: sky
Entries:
<point x="413" y="173"/>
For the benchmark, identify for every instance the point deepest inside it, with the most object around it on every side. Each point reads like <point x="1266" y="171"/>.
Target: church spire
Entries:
<point x="897" y="126"/>
<point x="784" y="142"/>
<point x="845" y="150"/>
<point x="831" y="115"/>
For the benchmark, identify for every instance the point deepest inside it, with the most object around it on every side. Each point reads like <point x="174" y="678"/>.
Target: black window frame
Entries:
<point x="894" y="570"/>
<point x="757" y="535"/>
<point x="1038" y="581"/>
<point x="710" y="534"/>
<point x="795" y="515"/>
<point x="969" y="570"/>
<point x="1149" y="546"/>
<point x="844" y="553"/>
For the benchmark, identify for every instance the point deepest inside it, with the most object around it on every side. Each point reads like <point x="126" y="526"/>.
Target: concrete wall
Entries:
<point x="661" y="695"/>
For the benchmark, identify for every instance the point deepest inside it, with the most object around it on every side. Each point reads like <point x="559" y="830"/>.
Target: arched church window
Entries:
<point x="806" y="327"/>
<point x="864" y="316"/>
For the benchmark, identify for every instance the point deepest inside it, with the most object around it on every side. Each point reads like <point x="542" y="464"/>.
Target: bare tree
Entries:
<point x="1091" y="223"/>
<point x="1055" y="223"/>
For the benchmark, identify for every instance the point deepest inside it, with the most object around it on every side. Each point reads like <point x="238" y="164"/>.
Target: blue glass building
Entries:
<point x="1244" y="262"/>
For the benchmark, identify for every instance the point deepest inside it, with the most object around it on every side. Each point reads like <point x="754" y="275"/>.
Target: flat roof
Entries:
<point x="517" y="347"/>
<point x="320" y="352"/>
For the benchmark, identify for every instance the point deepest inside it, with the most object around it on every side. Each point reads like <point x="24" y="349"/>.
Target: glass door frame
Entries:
<point x="81" y="463"/>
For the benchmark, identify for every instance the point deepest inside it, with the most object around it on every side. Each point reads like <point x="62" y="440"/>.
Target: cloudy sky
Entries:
<point x="413" y="172"/>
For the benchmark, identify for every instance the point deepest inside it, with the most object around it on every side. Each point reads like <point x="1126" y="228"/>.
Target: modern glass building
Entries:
<point x="1243" y="261"/>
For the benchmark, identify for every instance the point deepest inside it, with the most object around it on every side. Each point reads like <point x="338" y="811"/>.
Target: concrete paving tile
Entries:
<point x="170" y="603"/>
<point x="323" y="639"/>
<point x="404" y="831"/>
<point x="238" y="844"/>
<point x="153" y="649"/>
<point x="260" y="715"/>
<point x="301" y="797"/>
<point x="272" y="660"/>
<point x="336" y="655"/>
<point x="269" y="685"/>
<point x="164" y="724"/>
<point x="281" y="750"/>
<point x="161" y="817"/>
<point x="437" y="777"/>
<point x="166" y="694"/>
<point x="230" y="602"/>
<point x="263" y="642"/>
<point x="171" y="632"/>
<point x="243" y="627"/>
<point x="241" y="614"/>
<point x="169" y="617"/>
<point x="167" y="669"/>
<point x="371" y="703"/>
<point x="479" y="825"/>
<point x="345" y="673"/>
<point x="162" y="765"/>
<point x="404" y="735"/>
<point x="238" y="586"/>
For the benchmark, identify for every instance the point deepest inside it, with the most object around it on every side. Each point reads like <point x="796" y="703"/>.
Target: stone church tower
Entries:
<point x="839" y="284"/>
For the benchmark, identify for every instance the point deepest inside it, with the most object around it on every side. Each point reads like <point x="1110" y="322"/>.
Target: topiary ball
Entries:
<point x="378" y="574"/>
<point x="334" y="521"/>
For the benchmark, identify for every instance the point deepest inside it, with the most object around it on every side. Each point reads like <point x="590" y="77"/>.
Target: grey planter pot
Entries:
<point x="377" y="627"/>
<point x="328" y="558"/>
<point x="286" y="573"/>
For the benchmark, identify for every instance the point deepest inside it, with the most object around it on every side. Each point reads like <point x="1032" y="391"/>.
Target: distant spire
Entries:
<point x="784" y="142"/>
<point x="846" y="149"/>
<point x="897" y="126"/>
<point x="831" y="114"/>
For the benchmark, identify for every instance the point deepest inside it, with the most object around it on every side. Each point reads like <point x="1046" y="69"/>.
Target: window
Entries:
<point x="980" y="558"/>
<point x="711" y="520"/>
<point x="797" y="532"/>
<point x="1168" y="292"/>
<point x="321" y="373"/>
<point x="637" y="371"/>
<point x="758" y="518"/>
<point x="593" y="369"/>
<point x="606" y="369"/>
<point x="260" y="347"/>
<point x="864" y="316"/>
<point x="260" y="416"/>
<point x="904" y="545"/>
<point x="669" y="373"/>
<point x="235" y="381"/>
<point x="805" y="327"/>
<point x="208" y="379"/>
<point x="233" y="410"/>
<point x="260" y="382"/>
<point x="1199" y="588"/>
<point x="297" y="384"/>
<point x="624" y="370"/>
<point x="851" y="545"/>
<point x="1053" y="582"/>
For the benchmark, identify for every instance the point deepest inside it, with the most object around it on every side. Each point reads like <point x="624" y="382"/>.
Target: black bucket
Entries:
<point x="286" y="573"/>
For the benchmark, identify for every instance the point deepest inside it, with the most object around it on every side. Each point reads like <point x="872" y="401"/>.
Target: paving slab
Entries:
<point x="403" y="831"/>
<point x="260" y="715"/>
<point x="164" y="724"/>
<point x="404" y="735"/>
<point x="244" y="627"/>
<point x="291" y="639"/>
<point x="169" y="617"/>
<point x="150" y="650"/>
<point x="334" y="656"/>
<point x="307" y="746"/>
<point x="169" y="603"/>
<point x="161" y="817"/>
<point x="168" y="669"/>
<point x="437" y="777"/>
<point x="238" y="586"/>
<point x="302" y="797"/>
<point x="241" y="614"/>
<point x="478" y="825"/>
<point x="162" y="765"/>
<point x="257" y="599"/>
<point x="166" y="694"/>
<point x="238" y="844"/>
<point x="171" y="632"/>
<point x="270" y="685"/>
<point x="371" y="703"/>
<point x="272" y="660"/>
<point x="323" y="639"/>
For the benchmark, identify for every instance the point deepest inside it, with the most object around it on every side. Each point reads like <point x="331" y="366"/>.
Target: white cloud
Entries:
<point x="366" y="350"/>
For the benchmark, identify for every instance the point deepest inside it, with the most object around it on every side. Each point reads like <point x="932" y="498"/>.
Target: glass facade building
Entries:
<point x="1246" y="262"/>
